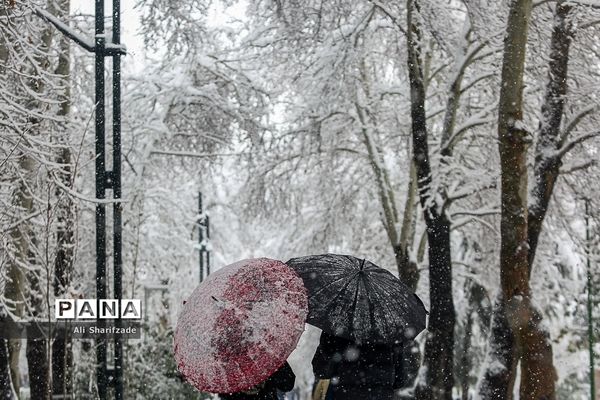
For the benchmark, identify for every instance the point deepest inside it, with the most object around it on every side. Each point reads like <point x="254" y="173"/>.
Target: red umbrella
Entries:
<point x="240" y="325"/>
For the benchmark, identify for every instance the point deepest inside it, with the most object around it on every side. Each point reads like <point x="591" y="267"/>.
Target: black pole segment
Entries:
<point x="588" y="245"/>
<point x="65" y="29"/>
<point x="117" y="207"/>
<point x="200" y="238"/>
<point x="207" y="263"/>
<point x="203" y="233"/>
<point x="104" y="179"/>
<point x="207" y="226"/>
<point x="201" y="266"/>
<point x="101" y="342"/>
<point x="110" y="49"/>
<point x="108" y="180"/>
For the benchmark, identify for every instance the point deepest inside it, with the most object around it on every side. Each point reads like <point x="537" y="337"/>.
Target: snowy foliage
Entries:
<point x="293" y="120"/>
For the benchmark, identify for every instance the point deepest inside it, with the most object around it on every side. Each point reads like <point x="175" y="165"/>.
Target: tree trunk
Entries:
<point x="401" y="241"/>
<point x="438" y="362"/>
<point x="62" y="356"/>
<point x="38" y="350"/>
<point x="23" y="235"/>
<point x="538" y="372"/>
<point x="61" y="346"/>
<point x="501" y="358"/>
<point x="547" y="161"/>
<point x="6" y="388"/>
<point x="465" y="363"/>
<point x="408" y="270"/>
<point x="475" y="307"/>
<point x="23" y="239"/>
<point x="439" y="347"/>
<point x="515" y="298"/>
<point x="15" y="285"/>
<point x="37" y="364"/>
<point x="538" y="375"/>
<point x="528" y="340"/>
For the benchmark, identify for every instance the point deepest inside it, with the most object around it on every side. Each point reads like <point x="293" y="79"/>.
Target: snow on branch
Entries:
<point x="83" y="41"/>
<point x="575" y="141"/>
<point x="472" y="218"/>
<point x="464" y="61"/>
<point x="576" y="119"/>
<point x="464" y="193"/>
<point x="195" y="155"/>
<point x="476" y="80"/>
<point x="19" y="222"/>
<point x="80" y="39"/>
<point x="541" y="2"/>
<point x="484" y="117"/>
<point x="84" y="198"/>
<point x="589" y="24"/>
<point x="10" y="153"/>
<point x="577" y="167"/>
<point x="477" y="213"/>
<point x="379" y="5"/>
<point x="586" y="3"/>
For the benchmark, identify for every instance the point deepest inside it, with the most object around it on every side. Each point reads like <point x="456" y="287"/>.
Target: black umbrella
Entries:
<point x="355" y="299"/>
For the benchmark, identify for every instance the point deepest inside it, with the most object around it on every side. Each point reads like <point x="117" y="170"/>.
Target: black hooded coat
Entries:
<point x="366" y="371"/>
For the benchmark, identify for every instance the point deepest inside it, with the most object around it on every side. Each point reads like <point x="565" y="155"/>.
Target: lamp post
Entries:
<point x="203" y="238"/>
<point x="105" y="179"/>
<point x="589" y="299"/>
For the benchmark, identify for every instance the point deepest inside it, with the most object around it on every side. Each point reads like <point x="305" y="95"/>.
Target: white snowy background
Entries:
<point x="284" y="115"/>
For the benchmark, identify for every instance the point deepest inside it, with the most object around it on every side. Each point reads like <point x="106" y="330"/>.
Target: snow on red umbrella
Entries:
<point x="240" y="325"/>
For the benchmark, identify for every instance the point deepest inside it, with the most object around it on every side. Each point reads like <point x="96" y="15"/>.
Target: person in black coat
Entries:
<point x="358" y="371"/>
<point x="283" y="379"/>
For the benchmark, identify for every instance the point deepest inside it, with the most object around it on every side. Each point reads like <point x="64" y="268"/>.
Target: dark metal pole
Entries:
<point x="589" y="299"/>
<point x="203" y="234"/>
<point x="105" y="179"/>
<point x="200" y="238"/>
<point x="206" y="251"/>
<point x="117" y="206"/>
<point x="101" y="343"/>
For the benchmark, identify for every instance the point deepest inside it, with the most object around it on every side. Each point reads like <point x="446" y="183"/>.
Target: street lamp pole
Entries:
<point x="589" y="299"/>
<point x="105" y="179"/>
<point x="203" y="238"/>
<point x="117" y="205"/>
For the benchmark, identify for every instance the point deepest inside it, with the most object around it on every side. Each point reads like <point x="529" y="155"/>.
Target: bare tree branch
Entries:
<point x="575" y="141"/>
<point x="575" y="120"/>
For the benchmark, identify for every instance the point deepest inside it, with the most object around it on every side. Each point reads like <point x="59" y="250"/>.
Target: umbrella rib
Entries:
<point x="406" y="309"/>
<point x="405" y="315"/>
<point x="370" y="303"/>
<point x="329" y="284"/>
<point x="339" y="293"/>
<point x="389" y="306"/>
<point x="392" y="287"/>
<point x="353" y="314"/>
